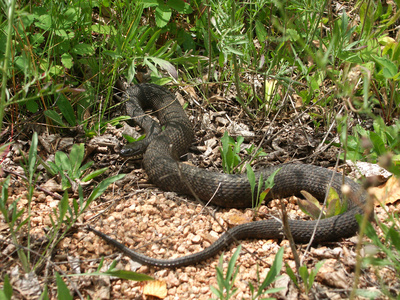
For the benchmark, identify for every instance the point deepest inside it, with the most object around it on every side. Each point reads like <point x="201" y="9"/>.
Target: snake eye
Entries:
<point x="136" y="149"/>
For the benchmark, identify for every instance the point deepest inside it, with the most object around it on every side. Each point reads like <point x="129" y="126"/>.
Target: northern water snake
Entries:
<point x="161" y="162"/>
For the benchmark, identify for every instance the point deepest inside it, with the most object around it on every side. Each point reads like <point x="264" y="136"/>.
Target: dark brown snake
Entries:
<point x="161" y="162"/>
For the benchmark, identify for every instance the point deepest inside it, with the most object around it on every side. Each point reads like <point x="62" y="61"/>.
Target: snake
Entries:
<point x="169" y="138"/>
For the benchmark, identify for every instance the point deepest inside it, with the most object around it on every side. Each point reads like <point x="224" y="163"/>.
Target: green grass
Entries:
<point x="60" y="59"/>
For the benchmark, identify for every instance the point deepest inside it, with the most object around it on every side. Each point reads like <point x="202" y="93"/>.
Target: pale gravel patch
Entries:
<point x="142" y="222"/>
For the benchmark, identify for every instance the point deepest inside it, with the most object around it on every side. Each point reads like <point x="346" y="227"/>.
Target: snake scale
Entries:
<point x="161" y="163"/>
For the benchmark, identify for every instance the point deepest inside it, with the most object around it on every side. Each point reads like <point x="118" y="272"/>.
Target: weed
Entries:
<point x="62" y="218"/>
<point x="230" y="150"/>
<point x="312" y="207"/>
<point x="307" y="276"/>
<point x="70" y="169"/>
<point x="226" y="284"/>
<point x="7" y="290"/>
<point x="163" y="11"/>
<point x="370" y="145"/>
<point x="388" y="246"/>
<point x="263" y="188"/>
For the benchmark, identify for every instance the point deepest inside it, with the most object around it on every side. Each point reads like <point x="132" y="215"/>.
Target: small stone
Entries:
<point x="196" y="239"/>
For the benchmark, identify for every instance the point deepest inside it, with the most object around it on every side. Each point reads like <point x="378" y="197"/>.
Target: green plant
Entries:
<point x="273" y="274"/>
<point x="7" y="290"/>
<point x="225" y="284"/>
<point x="385" y="252"/>
<point x="312" y="207"/>
<point x="163" y="10"/>
<point x="62" y="218"/>
<point x="230" y="150"/>
<point x="307" y="276"/>
<point x="226" y="288"/>
<point x="263" y="188"/>
<point x="70" y="169"/>
<point x="370" y="145"/>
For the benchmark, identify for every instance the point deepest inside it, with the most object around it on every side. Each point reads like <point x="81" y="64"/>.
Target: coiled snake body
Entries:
<point x="161" y="162"/>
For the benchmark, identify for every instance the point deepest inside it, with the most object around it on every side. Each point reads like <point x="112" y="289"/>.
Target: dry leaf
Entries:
<point x="155" y="288"/>
<point x="235" y="218"/>
<point x="191" y="91"/>
<point x="332" y="275"/>
<point x="388" y="192"/>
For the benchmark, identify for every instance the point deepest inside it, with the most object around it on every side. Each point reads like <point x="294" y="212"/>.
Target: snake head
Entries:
<point x="135" y="150"/>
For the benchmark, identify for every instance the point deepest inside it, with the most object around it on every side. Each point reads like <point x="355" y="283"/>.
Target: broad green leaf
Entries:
<point x="150" y="3"/>
<point x="292" y="35"/>
<point x="7" y="289"/>
<point x="112" y="54"/>
<point x="66" y="60"/>
<point x="291" y="274"/>
<point x="56" y="70"/>
<point x="180" y="6"/>
<point x="52" y="168"/>
<point x="66" y="109"/>
<point x="61" y="159"/>
<point x="131" y="71"/>
<point x="83" y="49"/>
<point x="44" y="22"/>
<point x="84" y="168"/>
<point x="260" y="31"/>
<point x="130" y="139"/>
<point x="270" y="182"/>
<point x="310" y="206"/>
<point x="394" y="238"/>
<point x="167" y="66"/>
<point x="333" y="203"/>
<point x="333" y="208"/>
<point x="313" y="273"/>
<point x="62" y="290"/>
<point x="303" y="272"/>
<point x="163" y="15"/>
<point x="389" y="68"/>
<point x="232" y="262"/>
<point x="4" y="197"/>
<point x="76" y="157"/>
<point x="64" y="34"/>
<point x="54" y="116"/>
<point x="104" y="29"/>
<point x="32" y="106"/>
<point x="378" y="144"/>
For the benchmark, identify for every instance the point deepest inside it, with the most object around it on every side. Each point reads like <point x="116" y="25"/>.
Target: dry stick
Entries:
<point x="288" y="233"/>
<point x="369" y="209"/>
